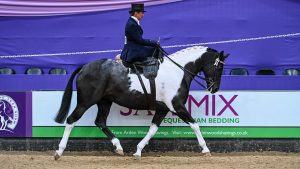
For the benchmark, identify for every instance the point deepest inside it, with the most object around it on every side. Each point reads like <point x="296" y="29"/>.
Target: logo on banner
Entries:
<point x="9" y="114"/>
<point x="209" y="109"/>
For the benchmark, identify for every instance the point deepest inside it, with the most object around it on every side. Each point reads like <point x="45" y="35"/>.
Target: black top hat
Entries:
<point x="137" y="8"/>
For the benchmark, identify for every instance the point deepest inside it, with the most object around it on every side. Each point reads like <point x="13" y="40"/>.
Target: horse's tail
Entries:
<point x="66" y="100"/>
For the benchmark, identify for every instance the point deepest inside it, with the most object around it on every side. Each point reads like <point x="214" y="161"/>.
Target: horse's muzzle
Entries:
<point x="214" y="90"/>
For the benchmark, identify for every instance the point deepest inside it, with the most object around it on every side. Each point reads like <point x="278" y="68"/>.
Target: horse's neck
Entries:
<point x="185" y="56"/>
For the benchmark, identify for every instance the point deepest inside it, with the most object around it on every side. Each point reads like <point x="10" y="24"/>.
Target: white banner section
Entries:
<point x="227" y="108"/>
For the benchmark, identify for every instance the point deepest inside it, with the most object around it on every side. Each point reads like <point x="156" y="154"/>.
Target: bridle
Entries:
<point x="217" y="65"/>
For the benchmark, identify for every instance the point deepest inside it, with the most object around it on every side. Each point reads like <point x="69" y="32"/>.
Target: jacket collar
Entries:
<point x="136" y="20"/>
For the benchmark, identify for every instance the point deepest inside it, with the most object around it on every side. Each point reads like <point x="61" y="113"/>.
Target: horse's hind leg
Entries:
<point x="160" y="114"/>
<point x="103" y="111"/>
<point x="182" y="113"/>
<point x="71" y="121"/>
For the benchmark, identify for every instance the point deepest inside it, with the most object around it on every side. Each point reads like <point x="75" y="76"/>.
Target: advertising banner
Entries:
<point x="228" y="114"/>
<point x="15" y="114"/>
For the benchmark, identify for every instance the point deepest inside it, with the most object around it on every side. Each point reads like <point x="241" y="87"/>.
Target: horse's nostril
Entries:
<point x="214" y="90"/>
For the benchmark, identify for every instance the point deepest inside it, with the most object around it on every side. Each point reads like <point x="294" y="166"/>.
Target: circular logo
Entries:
<point x="9" y="113"/>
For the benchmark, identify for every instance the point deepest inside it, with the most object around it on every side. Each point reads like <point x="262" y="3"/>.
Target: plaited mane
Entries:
<point x="187" y="55"/>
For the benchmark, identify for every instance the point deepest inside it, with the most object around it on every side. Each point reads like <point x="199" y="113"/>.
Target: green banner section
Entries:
<point x="173" y="132"/>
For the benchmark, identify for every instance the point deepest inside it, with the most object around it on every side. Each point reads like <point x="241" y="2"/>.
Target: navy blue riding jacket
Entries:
<point x="136" y="48"/>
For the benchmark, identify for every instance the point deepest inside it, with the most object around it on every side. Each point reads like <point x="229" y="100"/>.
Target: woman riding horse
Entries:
<point x="136" y="48"/>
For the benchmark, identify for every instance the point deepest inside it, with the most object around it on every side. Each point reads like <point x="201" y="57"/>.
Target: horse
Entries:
<point x="4" y="118"/>
<point x="105" y="81"/>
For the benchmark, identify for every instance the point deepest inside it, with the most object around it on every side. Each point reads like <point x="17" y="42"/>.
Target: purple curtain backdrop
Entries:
<point x="182" y="22"/>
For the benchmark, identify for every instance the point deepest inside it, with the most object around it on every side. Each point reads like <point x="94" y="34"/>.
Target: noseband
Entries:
<point x="215" y="67"/>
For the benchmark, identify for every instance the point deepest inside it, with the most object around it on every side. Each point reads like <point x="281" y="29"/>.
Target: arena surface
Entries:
<point x="172" y="160"/>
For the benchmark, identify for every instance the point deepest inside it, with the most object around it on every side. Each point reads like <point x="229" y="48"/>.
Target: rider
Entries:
<point x="137" y="49"/>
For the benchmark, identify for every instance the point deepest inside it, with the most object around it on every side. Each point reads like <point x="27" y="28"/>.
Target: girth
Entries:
<point x="149" y="69"/>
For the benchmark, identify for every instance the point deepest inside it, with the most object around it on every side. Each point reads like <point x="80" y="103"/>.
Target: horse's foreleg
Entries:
<point x="188" y="119"/>
<point x="200" y="138"/>
<point x="182" y="113"/>
<point x="103" y="111"/>
<point x="160" y="114"/>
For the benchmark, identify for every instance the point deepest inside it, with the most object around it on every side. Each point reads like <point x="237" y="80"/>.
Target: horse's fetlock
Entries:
<point x="139" y="147"/>
<point x="61" y="147"/>
<point x="115" y="141"/>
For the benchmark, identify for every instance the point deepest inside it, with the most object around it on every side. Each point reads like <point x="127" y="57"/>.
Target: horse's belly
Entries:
<point x="166" y="89"/>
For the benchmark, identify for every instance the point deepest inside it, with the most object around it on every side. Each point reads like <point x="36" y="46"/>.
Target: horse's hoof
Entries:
<point x="205" y="150"/>
<point x="120" y="152"/>
<point x="137" y="157"/>
<point x="207" y="154"/>
<point x="56" y="156"/>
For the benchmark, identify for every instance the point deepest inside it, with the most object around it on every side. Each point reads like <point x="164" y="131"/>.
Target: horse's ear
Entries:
<point x="222" y="56"/>
<point x="222" y="53"/>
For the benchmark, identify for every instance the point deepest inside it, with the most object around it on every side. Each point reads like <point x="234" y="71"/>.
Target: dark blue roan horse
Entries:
<point x="103" y="82"/>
